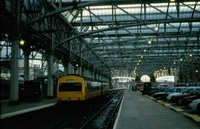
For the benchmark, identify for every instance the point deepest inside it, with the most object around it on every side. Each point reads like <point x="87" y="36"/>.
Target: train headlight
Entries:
<point x="79" y="97"/>
<point x="60" y="97"/>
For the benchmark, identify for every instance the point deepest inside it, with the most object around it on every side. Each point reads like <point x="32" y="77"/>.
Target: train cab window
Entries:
<point x="70" y="87"/>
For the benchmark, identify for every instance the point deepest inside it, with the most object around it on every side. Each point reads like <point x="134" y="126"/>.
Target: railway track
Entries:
<point x="104" y="118"/>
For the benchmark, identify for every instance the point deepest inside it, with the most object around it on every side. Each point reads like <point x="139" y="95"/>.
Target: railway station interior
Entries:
<point x="114" y="41"/>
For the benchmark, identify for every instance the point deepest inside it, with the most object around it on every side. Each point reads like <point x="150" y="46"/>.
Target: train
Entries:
<point x="78" y="88"/>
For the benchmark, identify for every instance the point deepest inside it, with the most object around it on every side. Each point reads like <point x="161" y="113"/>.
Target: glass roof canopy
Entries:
<point x="137" y="36"/>
<point x="143" y="36"/>
<point x="109" y="36"/>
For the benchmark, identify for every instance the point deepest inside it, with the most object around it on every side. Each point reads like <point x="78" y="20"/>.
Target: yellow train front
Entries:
<point x="77" y="88"/>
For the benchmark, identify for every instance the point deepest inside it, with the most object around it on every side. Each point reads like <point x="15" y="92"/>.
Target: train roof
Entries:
<point x="85" y="78"/>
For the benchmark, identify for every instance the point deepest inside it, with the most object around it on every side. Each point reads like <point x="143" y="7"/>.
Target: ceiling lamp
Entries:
<point x="156" y="28"/>
<point x="181" y="59"/>
<point x="149" y="42"/>
<point x="145" y="50"/>
<point x="22" y="42"/>
<point x="172" y="0"/>
<point x="190" y="54"/>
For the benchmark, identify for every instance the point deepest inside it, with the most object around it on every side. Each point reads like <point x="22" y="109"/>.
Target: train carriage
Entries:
<point x="105" y="87"/>
<point x="93" y="89"/>
<point x="77" y="88"/>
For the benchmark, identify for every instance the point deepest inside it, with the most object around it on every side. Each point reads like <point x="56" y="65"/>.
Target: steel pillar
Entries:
<point x="65" y="70"/>
<point x="50" y="86"/>
<point x="79" y="69"/>
<point x="14" y="82"/>
<point x="26" y="66"/>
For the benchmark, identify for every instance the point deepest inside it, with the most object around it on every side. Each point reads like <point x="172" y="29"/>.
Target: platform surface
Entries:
<point x="23" y="107"/>
<point x="140" y="112"/>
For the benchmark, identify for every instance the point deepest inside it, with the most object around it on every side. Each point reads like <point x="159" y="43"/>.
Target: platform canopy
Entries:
<point x="140" y="36"/>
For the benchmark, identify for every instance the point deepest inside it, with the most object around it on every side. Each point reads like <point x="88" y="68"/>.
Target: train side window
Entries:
<point x="88" y="87"/>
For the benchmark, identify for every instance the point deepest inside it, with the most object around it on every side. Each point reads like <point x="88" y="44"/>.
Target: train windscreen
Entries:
<point x="70" y="87"/>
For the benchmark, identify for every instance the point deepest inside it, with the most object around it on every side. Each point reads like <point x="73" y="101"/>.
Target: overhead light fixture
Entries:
<point x="22" y="42"/>
<point x="149" y="42"/>
<point x="190" y="54"/>
<point x="156" y="28"/>
<point x="141" y="56"/>
<point x="145" y="50"/>
<point x="139" y="60"/>
<point x="181" y="59"/>
<point x="172" y="0"/>
<point x="197" y="71"/>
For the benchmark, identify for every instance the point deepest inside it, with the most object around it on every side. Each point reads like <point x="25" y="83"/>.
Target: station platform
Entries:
<point x="136" y="111"/>
<point x="23" y="107"/>
<point x="140" y="112"/>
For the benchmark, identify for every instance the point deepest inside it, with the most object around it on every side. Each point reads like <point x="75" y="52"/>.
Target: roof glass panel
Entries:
<point x="161" y="6"/>
<point x="131" y="9"/>
<point x="134" y="39"/>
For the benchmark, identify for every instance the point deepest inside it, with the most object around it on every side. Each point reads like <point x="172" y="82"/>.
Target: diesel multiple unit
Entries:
<point x="78" y="88"/>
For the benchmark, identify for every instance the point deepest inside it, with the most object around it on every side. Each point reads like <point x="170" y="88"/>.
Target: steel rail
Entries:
<point x="98" y="112"/>
<point x="114" y="111"/>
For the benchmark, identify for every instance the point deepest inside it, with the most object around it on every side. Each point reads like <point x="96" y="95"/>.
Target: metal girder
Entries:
<point x="125" y="26"/>
<point x="165" y="48"/>
<point x="104" y="39"/>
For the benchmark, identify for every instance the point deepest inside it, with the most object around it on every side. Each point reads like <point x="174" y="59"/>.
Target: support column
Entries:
<point x="184" y="78"/>
<point x="99" y="76"/>
<point x="180" y="77"/>
<point x="76" y="69"/>
<point x="103" y="78"/>
<point x="95" y="75"/>
<point x="26" y="66"/>
<point x="87" y="73"/>
<point x="72" y="69"/>
<point x="14" y="82"/>
<point x="152" y="78"/>
<point x="80" y="71"/>
<point x="69" y="67"/>
<point x="83" y="71"/>
<point x="50" y="86"/>
<point x="188" y="75"/>
<point x="65" y="69"/>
